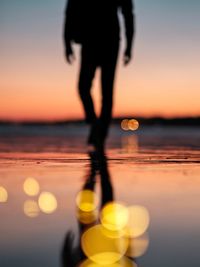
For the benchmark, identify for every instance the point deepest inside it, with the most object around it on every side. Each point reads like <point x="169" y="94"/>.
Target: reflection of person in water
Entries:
<point x="94" y="24"/>
<point x="73" y="255"/>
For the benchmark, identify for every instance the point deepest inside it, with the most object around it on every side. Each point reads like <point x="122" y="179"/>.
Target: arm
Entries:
<point x="68" y="24"/>
<point x="129" y="23"/>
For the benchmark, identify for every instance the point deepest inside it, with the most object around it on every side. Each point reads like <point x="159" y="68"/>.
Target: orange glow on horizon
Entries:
<point x="138" y="93"/>
<point x="67" y="106"/>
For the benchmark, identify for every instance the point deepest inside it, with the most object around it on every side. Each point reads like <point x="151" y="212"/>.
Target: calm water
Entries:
<point x="157" y="168"/>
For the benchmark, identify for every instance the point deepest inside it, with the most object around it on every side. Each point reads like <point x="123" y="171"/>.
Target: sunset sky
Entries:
<point x="162" y="80"/>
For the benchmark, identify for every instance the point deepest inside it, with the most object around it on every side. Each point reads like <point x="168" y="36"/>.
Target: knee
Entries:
<point x="107" y="100"/>
<point x="84" y="88"/>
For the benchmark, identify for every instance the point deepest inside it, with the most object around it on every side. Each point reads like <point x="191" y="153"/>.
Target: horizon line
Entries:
<point x="81" y="120"/>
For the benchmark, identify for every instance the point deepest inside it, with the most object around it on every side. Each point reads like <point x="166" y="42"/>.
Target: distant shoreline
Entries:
<point x="186" y="121"/>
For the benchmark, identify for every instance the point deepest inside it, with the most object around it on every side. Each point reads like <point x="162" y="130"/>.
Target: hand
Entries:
<point x="70" y="54"/>
<point x="127" y="57"/>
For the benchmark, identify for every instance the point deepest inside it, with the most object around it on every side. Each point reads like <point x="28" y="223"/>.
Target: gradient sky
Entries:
<point x="163" y="79"/>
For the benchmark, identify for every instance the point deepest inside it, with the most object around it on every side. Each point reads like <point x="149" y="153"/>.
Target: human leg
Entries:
<point x="108" y="69"/>
<point x="87" y="72"/>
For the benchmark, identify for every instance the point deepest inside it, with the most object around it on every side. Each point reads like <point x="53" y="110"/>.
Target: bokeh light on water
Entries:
<point x="114" y="216"/>
<point x="87" y="200"/>
<point x="124" y="125"/>
<point x="47" y="202"/>
<point x="138" y="221"/>
<point x="31" y="187"/>
<point x="31" y="208"/>
<point x="122" y="232"/>
<point x="3" y="195"/>
<point x="130" y="125"/>
<point x="101" y="248"/>
<point x="138" y="246"/>
<point x="86" y="217"/>
<point x="133" y="125"/>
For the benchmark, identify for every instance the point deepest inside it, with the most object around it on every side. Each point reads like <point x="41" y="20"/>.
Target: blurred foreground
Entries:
<point x="152" y="173"/>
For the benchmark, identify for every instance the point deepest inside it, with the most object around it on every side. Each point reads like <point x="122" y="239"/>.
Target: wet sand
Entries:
<point x="157" y="168"/>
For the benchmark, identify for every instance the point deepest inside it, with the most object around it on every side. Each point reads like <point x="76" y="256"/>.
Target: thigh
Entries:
<point x="87" y="67"/>
<point x="108" y="67"/>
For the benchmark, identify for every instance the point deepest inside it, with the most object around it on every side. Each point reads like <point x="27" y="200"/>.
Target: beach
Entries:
<point x="156" y="167"/>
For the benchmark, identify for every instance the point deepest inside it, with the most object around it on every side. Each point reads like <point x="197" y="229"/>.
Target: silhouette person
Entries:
<point x="94" y="24"/>
<point x="73" y="255"/>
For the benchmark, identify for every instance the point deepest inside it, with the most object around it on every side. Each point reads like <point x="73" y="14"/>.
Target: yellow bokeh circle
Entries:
<point x="47" y="202"/>
<point x="86" y="217"/>
<point x="100" y="248"/>
<point x="31" y="187"/>
<point x="31" y="208"/>
<point x="3" y="195"/>
<point x="114" y="216"/>
<point x="124" y="124"/>
<point x="138" y="221"/>
<point x="129" y="125"/>
<point x="133" y="125"/>
<point x="87" y="200"/>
